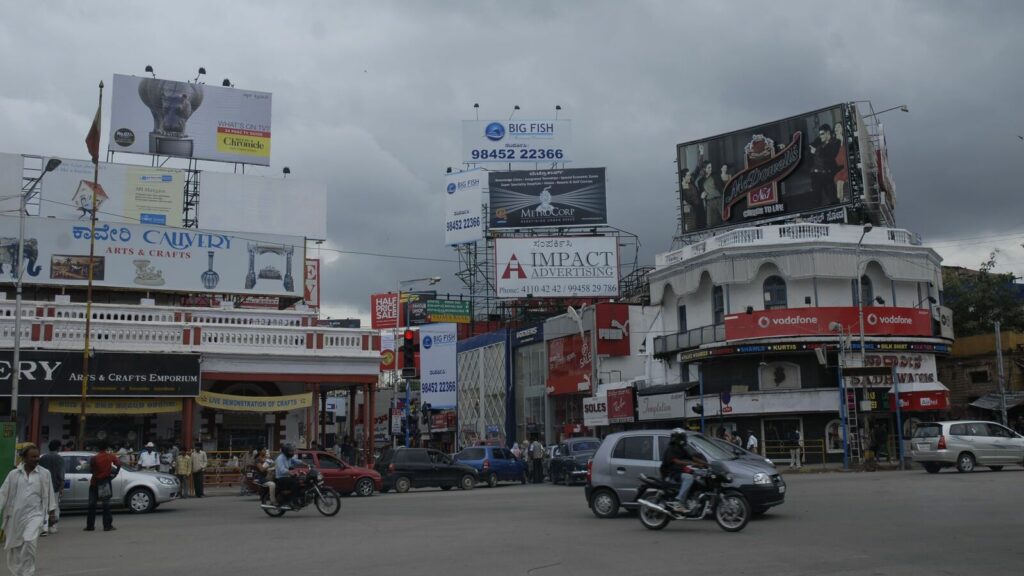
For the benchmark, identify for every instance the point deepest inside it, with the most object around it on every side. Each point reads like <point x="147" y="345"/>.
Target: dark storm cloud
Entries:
<point x="368" y="97"/>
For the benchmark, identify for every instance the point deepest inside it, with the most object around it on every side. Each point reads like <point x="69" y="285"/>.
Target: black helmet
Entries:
<point x="678" y="436"/>
<point x="288" y="450"/>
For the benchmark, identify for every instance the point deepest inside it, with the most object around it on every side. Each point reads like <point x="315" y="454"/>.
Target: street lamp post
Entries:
<point x="431" y="280"/>
<point x="51" y="165"/>
<point x="841" y="361"/>
<point x="860" y="291"/>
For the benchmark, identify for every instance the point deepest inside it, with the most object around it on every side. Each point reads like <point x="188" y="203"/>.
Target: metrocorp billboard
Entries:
<point x="535" y="198"/>
<point x="505" y="141"/>
<point x="557" y="267"/>
<point x="130" y="193"/>
<point x="438" y="374"/>
<point x="139" y="256"/>
<point x="462" y="207"/>
<point x="169" y="118"/>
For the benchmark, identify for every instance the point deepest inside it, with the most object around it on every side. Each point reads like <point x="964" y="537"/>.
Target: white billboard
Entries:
<point x="169" y="118"/>
<point x="128" y="193"/>
<point x="463" y="203"/>
<point x="140" y="257"/>
<point x="595" y="411"/>
<point x="505" y="141"/>
<point x="293" y="207"/>
<point x="11" y="169"/>
<point x="438" y="373"/>
<point x="557" y="267"/>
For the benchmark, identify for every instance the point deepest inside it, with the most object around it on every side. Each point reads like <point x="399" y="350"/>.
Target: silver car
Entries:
<point x="133" y="489"/>
<point x="966" y="444"/>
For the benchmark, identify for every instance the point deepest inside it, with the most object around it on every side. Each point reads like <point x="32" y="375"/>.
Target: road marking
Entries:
<point x="91" y="571"/>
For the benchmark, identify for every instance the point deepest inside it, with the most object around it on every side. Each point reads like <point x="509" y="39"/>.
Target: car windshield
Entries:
<point x="928" y="430"/>
<point x="727" y="446"/>
<point x="585" y="446"/>
<point x="710" y="449"/>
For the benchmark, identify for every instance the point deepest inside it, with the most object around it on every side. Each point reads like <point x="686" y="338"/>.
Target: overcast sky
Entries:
<point x="369" y="98"/>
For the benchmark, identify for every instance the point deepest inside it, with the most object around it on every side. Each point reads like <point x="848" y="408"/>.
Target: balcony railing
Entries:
<point x="672" y="343"/>
<point x="49" y="325"/>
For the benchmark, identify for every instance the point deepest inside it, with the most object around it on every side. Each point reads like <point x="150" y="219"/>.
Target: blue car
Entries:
<point x="493" y="464"/>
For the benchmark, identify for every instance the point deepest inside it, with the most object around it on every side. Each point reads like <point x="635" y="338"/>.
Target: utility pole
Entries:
<point x="1002" y="386"/>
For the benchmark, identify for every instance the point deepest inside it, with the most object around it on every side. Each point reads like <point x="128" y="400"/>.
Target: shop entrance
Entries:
<point x="118" y="431"/>
<point x="242" y="431"/>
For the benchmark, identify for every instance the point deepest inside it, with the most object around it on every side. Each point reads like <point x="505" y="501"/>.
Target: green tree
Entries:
<point x="979" y="298"/>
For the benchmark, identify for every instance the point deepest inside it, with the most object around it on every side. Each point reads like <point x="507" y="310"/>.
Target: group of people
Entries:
<point x="532" y="453"/>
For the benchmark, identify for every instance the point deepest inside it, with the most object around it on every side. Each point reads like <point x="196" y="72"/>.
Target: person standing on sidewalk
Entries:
<point x="54" y="464"/>
<point x="752" y="442"/>
<point x="198" y="467"/>
<point x="149" y="459"/>
<point x="104" y="466"/>
<point x="796" y="444"/>
<point x="537" y="460"/>
<point x="26" y="498"/>
<point x="183" y="470"/>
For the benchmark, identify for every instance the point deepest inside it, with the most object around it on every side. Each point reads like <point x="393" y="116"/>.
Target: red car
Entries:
<point x="341" y="475"/>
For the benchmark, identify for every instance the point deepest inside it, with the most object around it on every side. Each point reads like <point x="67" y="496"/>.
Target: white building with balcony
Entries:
<point x="759" y="321"/>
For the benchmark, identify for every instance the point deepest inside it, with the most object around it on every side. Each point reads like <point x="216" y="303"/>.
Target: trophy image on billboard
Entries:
<point x="171" y="103"/>
<point x="210" y="277"/>
<point x="146" y="275"/>
<point x="269" y="272"/>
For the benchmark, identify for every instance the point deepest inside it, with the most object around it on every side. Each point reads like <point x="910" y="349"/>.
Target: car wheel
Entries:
<point x="995" y="468"/>
<point x="932" y="468"/>
<point x="140" y="500"/>
<point x="604" y="504"/>
<point x="364" y="487"/>
<point x="492" y="480"/>
<point x="467" y="482"/>
<point x="402" y="485"/>
<point x="446" y="488"/>
<point x="965" y="462"/>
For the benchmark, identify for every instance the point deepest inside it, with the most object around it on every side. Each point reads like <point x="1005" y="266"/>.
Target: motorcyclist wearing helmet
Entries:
<point x="677" y="457"/>
<point x="282" y="479"/>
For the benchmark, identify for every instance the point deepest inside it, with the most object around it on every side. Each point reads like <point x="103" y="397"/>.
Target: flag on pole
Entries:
<point x="92" y="139"/>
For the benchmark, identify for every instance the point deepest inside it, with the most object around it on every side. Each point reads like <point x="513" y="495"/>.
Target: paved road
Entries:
<point x="888" y="523"/>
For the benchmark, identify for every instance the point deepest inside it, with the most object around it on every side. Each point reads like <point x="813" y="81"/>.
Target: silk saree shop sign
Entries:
<point x="59" y="373"/>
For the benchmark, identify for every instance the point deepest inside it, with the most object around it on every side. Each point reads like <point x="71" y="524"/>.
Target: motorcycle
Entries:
<point x="310" y="490"/>
<point x="709" y="492"/>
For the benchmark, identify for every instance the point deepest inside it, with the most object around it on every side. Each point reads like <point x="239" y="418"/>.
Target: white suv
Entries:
<point x="966" y="444"/>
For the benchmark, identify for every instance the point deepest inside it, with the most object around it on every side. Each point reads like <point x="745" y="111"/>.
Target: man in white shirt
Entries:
<point x="149" y="459"/>
<point x="752" y="442"/>
<point x="26" y="499"/>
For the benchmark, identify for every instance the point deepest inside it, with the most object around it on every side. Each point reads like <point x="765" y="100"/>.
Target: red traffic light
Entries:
<point x="409" y="335"/>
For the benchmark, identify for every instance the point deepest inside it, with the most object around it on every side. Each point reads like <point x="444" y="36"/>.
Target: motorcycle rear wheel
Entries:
<point x="732" y="512"/>
<point x="652" y="519"/>
<point x="329" y="504"/>
<point x="272" y="512"/>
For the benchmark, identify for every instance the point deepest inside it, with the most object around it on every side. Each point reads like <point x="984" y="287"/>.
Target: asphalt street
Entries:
<point x="883" y="523"/>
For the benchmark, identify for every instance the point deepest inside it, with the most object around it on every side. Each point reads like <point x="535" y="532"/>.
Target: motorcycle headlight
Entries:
<point x="762" y="478"/>
<point x="168" y="481"/>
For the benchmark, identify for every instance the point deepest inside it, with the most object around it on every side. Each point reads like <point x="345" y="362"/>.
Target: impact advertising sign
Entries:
<point x="505" y="141"/>
<point x="535" y="198"/>
<point x="127" y="193"/>
<point x="557" y="267"/>
<point x="169" y="118"/>
<point x="878" y="321"/>
<point x="794" y="165"/>
<point x="438" y="365"/>
<point x="462" y="207"/>
<point x="157" y="257"/>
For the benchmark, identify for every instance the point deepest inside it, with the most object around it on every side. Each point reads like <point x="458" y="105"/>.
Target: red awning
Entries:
<point x="920" y="397"/>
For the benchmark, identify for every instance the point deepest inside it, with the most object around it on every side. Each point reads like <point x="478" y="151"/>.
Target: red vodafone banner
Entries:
<point x="878" y="321"/>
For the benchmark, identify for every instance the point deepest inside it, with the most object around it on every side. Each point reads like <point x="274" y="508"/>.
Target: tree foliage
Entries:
<point x="979" y="298"/>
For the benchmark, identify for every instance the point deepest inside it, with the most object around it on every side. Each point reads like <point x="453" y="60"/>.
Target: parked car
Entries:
<point x="966" y="444"/>
<point x="340" y="475"/>
<point x="493" y="464"/>
<point x="742" y="453"/>
<point x="569" y="461"/>
<point x="405" y="468"/>
<point x="134" y="489"/>
<point x="623" y="456"/>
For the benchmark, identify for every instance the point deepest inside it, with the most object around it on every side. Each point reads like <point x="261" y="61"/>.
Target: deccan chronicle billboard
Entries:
<point x="142" y="257"/>
<point x="525" y="199"/>
<point x="169" y="118"/>
<point x="557" y="267"/>
<point x="799" y="164"/>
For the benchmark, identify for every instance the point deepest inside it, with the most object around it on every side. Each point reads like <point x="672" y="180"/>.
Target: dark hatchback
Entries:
<point x="405" y="468"/>
<point x="569" y="460"/>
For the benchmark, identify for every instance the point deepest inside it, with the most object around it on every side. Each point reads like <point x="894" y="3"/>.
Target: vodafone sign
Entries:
<point x="878" y="321"/>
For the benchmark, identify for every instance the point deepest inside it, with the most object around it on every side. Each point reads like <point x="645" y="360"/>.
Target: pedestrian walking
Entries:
<point x="537" y="461"/>
<point x="183" y="470"/>
<point x="149" y="459"/>
<point x="517" y="451"/>
<point x="796" y="444"/>
<point x="54" y="464"/>
<point x="198" y="467"/>
<point x="27" y="501"/>
<point x="104" y="467"/>
<point x="752" y="442"/>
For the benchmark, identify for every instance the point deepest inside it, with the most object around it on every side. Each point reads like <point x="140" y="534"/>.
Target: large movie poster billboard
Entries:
<point x="188" y="120"/>
<point x="141" y="257"/>
<point x="798" y="164"/>
<point x="534" y="198"/>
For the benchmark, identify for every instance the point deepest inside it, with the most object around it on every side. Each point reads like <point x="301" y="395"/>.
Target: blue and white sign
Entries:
<point x="463" y="207"/>
<point x="503" y="141"/>
<point x="438" y="375"/>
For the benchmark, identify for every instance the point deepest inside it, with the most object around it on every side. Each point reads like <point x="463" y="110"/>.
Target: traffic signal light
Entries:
<point x="409" y="354"/>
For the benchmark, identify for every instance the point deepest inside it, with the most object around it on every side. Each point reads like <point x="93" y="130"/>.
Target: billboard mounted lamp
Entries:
<point x="514" y="109"/>
<point x="901" y="108"/>
<point x="476" y="108"/>
<point x="150" y="70"/>
<point x="202" y="72"/>
<point x="227" y="83"/>
<point x="286" y="171"/>
<point x="557" y="110"/>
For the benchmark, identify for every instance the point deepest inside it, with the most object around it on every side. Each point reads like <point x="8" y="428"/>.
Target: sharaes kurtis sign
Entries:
<point x="59" y="373"/>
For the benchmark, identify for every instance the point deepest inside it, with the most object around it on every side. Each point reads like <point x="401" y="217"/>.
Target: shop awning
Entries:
<point x="991" y="401"/>
<point x="920" y="396"/>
